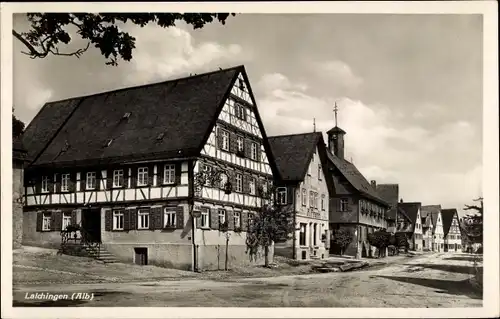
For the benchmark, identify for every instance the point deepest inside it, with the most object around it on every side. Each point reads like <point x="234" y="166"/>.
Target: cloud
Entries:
<point x="338" y="72"/>
<point x="431" y="165"/>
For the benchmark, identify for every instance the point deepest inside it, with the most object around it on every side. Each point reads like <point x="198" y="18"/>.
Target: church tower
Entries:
<point x="336" y="138"/>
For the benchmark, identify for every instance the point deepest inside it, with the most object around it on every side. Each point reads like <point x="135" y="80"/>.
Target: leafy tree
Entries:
<point x="473" y="224"/>
<point x="342" y="238"/>
<point x="380" y="240"/>
<point x="17" y="126"/>
<point x="48" y="31"/>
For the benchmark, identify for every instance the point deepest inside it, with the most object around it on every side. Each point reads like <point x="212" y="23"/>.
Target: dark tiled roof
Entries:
<point x="336" y="129"/>
<point x="18" y="151"/>
<point x="447" y="216"/>
<point x="78" y="129"/>
<point x="389" y="193"/>
<point x="355" y="178"/>
<point x="293" y="153"/>
<point x="391" y="213"/>
<point x="432" y="210"/>
<point x="411" y="210"/>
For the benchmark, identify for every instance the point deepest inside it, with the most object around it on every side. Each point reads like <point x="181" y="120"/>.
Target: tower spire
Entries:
<point x="314" y="124"/>
<point x="335" y="110"/>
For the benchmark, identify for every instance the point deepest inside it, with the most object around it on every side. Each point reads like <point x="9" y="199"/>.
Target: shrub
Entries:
<point x="343" y="237"/>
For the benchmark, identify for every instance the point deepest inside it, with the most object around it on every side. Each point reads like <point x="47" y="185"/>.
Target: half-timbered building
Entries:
<point x="415" y="230"/>
<point x="434" y="211"/>
<point x="301" y="161"/>
<point x="354" y="202"/>
<point x="451" y="230"/>
<point x="124" y="166"/>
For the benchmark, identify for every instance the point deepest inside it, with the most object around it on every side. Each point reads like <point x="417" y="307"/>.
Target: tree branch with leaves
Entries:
<point x="48" y="32"/>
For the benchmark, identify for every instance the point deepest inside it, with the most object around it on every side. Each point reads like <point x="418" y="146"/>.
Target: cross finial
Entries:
<point x="314" y="124"/>
<point x="335" y="110"/>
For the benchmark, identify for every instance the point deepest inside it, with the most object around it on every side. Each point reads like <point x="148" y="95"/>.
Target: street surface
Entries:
<point x="429" y="280"/>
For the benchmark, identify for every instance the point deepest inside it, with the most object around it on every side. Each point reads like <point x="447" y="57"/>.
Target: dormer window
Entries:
<point x="45" y="184"/>
<point x="142" y="176"/>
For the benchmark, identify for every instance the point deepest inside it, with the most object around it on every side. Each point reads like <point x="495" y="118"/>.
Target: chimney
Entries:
<point x="374" y="184"/>
<point x="401" y="200"/>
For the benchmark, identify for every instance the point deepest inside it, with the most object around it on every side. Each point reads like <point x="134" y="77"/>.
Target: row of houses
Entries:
<point x="124" y="166"/>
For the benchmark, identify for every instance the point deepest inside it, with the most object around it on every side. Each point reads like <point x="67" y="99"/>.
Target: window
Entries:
<point x="323" y="202"/>
<point x="118" y="220"/>
<point x="66" y="221"/>
<point x="237" y="220"/>
<point x="251" y="185"/>
<point x="169" y="174"/>
<point x="169" y="218"/>
<point x="316" y="200"/>
<point x="47" y="217"/>
<point x="143" y="219"/>
<point x="118" y="178"/>
<point x="224" y="140"/>
<point x="239" y="183"/>
<point x="222" y="216"/>
<point x="281" y="194"/>
<point x="240" y="143"/>
<point x="91" y="180"/>
<point x="205" y="212"/>
<point x="311" y="199"/>
<point x="45" y="184"/>
<point x="319" y="171"/>
<point x="302" y="234"/>
<point x="304" y="197"/>
<point x="253" y="154"/>
<point x="65" y="183"/>
<point x="240" y="111"/>
<point x="142" y="176"/>
<point x="344" y="204"/>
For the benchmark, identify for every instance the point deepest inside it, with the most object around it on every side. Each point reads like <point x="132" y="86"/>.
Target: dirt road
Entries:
<point x="436" y="280"/>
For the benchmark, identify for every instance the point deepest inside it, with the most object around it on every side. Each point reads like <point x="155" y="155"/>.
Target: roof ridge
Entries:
<point x="149" y="84"/>
<point x="295" y="134"/>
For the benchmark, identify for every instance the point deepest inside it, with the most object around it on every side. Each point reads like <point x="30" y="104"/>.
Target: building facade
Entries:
<point x="434" y="211"/>
<point x="303" y="186"/>
<point x="125" y="166"/>
<point x="415" y="232"/>
<point x="18" y="162"/>
<point x="427" y="232"/>
<point x="354" y="202"/>
<point x="451" y="229"/>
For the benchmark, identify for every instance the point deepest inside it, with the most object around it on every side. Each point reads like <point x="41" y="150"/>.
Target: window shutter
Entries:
<point x="177" y="173"/>
<point x="38" y="184"/>
<point x="258" y="152"/>
<point x="180" y="217"/>
<point x="126" y="219"/>
<point x="151" y="171"/>
<point x="98" y="178"/>
<point x="152" y="218"/>
<point x="245" y="180"/>
<point x="160" y="174"/>
<point x="219" y="138"/>
<point x="156" y="217"/>
<point x="57" y="183"/>
<point x="56" y="221"/>
<point x="125" y="178"/>
<point x="245" y="113"/>
<point x="133" y="218"/>
<point x="109" y="179"/>
<point x="108" y="220"/>
<point x="244" y="221"/>
<point x="83" y="180"/>
<point x="247" y="147"/>
<point x="39" y="221"/>
<point x="214" y="218"/>
<point x="230" y="220"/>
<point x="233" y="145"/>
<point x="73" y="217"/>
<point x="289" y="195"/>
<point x="133" y="178"/>
<point x="51" y="183"/>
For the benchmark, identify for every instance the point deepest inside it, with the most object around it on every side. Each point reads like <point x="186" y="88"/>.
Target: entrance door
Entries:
<point x="91" y="223"/>
<point x="141" y="256"/>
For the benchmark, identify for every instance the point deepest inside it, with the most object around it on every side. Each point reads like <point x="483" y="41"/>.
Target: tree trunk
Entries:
<point x="227" y="248"/>
<point x="266" y="256"/>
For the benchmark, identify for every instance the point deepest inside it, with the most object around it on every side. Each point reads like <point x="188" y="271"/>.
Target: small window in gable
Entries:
<point x="281" y="195"/>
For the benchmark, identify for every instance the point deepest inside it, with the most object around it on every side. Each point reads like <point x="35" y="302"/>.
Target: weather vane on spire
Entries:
<point x="335" y="110"/>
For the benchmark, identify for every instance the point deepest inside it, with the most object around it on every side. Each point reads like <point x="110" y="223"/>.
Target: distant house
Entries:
<point x="123" y="165"/>
<point x="354" y="202"/>
<point x="451" y="229"/>
<point x="437" y="235"/>
<point x="427" y="231"/>
<point x="18" y="162"/>
<point x="397" y="219"/>
<point x="415" y="232"/>
<point x="301" y="162"/>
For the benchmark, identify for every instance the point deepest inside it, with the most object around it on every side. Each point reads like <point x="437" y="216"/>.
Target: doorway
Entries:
<point x="141" y="256"/>
<point x="91" y="223"/>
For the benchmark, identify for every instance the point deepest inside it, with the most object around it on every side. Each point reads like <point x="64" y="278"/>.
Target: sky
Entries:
<point x="408" y="87"/>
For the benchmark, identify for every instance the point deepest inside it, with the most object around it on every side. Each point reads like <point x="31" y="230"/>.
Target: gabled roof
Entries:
<point x="411" y="210"/>
<point x="432" y="210"/>
<point x="447" y="217"/>
<point x="391" y="213"/>
<point x="355" y="178"/>
<point x="171" y="119"/>
<point x="293" y="153"/>
<point x="336" y="129"/>
<point x="389" y="193"/>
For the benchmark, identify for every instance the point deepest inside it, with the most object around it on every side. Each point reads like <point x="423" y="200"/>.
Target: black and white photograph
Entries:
<point x="254" y="159"/>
